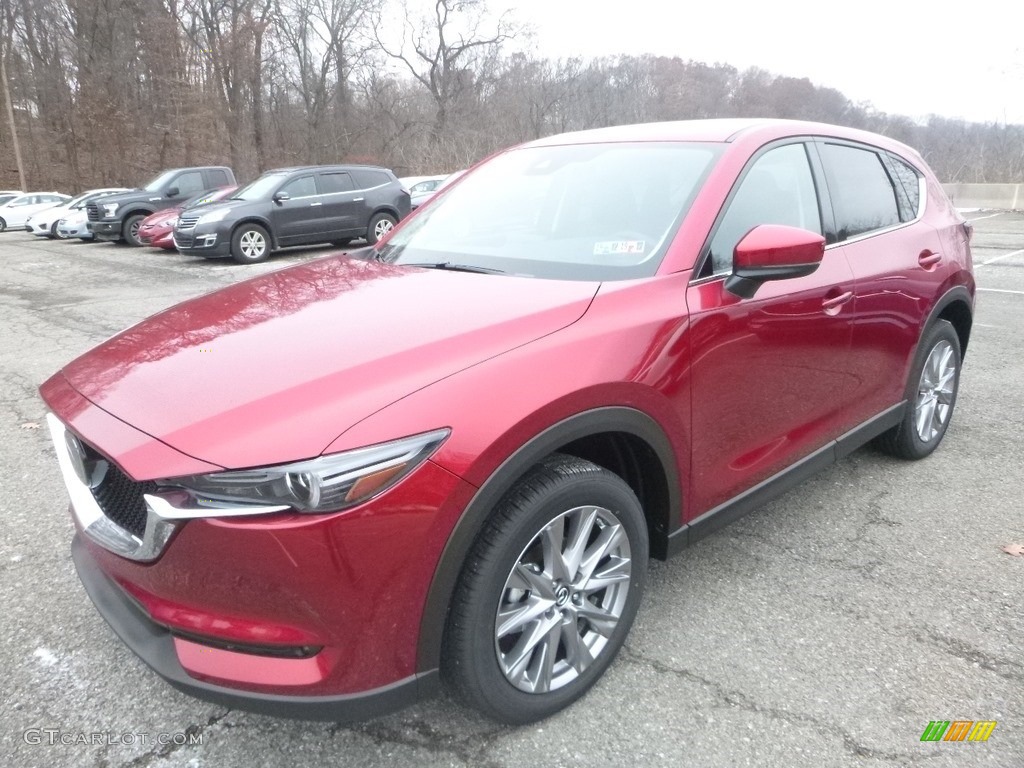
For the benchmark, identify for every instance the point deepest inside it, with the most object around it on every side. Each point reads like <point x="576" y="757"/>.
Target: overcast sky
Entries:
<point x="910" y="57"/>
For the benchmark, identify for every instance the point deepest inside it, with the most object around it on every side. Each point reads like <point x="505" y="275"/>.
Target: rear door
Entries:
<point x="341" y="203"/>
<point x="897" y="263"/>
<point x="771" y="375"/>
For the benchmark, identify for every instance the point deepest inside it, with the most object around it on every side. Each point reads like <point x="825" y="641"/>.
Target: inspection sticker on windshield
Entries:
<point x="615" y="247"/>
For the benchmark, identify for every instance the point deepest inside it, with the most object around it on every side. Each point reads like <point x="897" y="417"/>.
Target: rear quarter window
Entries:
<point x="863" y="196"/>
<point x="907" y="182"/>
<point x="367" y="179"/>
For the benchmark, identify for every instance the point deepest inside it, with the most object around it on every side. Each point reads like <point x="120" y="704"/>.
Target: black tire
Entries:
<point x="3" y="225"/>
<point x="130" y="229"/>
<point x="53" y="231"/>
<point x="341" y="243"/>
<point x="917" y="435"/>
<point x="559" y="489"/>
<point x="380" y="225"/>
<point x="250" y="244"/>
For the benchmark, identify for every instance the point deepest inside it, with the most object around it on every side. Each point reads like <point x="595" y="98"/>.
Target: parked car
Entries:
<point x="157" y="230"/>
<point x="16" y="211"/>
<point x="118" y="218"/>
<point x="8" y="194"/>
<point x="46" y="222"/>
<point x="75" y="224"/>
<point x="296" y="206"/>
<point x="322" y="490"/>
<point x="423" y="193"/>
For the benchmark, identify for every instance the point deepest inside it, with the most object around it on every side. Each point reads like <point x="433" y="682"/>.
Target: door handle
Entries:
<point x="314" y="205"/>
<point x="928" y="258"/>
<point x="358" y="199"/>
<point x="833" y="304"/>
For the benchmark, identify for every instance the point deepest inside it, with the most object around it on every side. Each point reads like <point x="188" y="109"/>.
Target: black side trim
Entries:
<point x="610" y="419"/>
<point x="783" y="481"/>
<point x="155" y="646"/>
<point x="954" y="294"/>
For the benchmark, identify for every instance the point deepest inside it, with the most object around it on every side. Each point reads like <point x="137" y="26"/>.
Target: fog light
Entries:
<point x="209" y="240"/>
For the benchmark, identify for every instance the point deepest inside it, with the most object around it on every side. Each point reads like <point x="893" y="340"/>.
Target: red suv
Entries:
<point x="321" y="491"/>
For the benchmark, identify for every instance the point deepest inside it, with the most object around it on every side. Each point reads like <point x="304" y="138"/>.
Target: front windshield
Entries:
<point x="577" y="212"/>
<point x="159" y="182"/>
<point x="261" y="189"/>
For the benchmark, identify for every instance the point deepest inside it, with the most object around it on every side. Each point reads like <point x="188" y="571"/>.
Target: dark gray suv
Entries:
<point x="296" y="206"/>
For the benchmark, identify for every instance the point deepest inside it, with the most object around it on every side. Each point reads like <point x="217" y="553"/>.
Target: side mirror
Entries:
<point x="280" y="197"/>
<point x="773" y="252"/>
<point x="173" y="192"/>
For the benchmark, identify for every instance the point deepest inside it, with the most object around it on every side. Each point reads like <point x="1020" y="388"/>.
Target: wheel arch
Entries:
<point x="624" y="440"/>
<point x="956" y="307"/>
<point x="252" y="219"/>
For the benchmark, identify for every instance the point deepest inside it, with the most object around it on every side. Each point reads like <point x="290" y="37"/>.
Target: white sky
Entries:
<point x="906" y="57"/>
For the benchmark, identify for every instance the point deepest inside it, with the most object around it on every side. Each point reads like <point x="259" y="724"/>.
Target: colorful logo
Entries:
<point x="958" y="730"/>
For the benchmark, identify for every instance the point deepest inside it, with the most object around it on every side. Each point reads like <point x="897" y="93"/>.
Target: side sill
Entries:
<point x="783" y="481"/>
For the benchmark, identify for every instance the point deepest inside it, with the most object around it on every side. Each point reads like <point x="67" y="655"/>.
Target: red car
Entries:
<point x="322" y="491"/>
<point x="157" y="228"/>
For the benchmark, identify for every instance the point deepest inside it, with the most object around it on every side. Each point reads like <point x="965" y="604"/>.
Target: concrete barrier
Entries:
<point x="1004" y="197"/>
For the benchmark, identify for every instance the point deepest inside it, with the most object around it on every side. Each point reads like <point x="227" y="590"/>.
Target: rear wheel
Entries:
<point x="931" y="395"/>
<point x="548" y="593"/>
<point x="3" y="225"/>
<point x="130" y="229"/>
<point x="250" y="244"/>
<point x="380" y="225"/>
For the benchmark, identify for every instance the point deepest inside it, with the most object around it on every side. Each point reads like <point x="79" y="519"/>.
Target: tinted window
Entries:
<point x="189" y="183"/>
<point x="218" y="178"/>
<point x="366" y="179"/>
<point x="777" y="189"/>
<point x="304" y="186"/>
<point x="335" y="182"/>
<point x="908" y="188"/>
<point x="863" y="197"/>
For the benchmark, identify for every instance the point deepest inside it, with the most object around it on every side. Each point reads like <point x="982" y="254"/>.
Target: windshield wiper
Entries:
<point x="452" y="266"/>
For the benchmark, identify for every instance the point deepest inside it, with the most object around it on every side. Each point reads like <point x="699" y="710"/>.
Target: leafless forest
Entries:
<point x="111" y="91"/>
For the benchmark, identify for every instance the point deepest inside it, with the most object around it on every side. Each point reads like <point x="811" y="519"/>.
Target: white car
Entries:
<point x="46" y="223"/>
<point x="16" y="211"/>
<point x="424" y="190"/>
<point x="7" y="194"/>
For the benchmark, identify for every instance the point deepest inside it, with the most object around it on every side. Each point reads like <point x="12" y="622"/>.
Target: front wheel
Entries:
<point x="130" y="229"/>
<point x="53" y="231"/>
<point x="931" y="395"/>
<point x="380" y="225"/>
<point x="3" y="225"/>
<point x="250" y="244"/>
<point x="548" y="593"/>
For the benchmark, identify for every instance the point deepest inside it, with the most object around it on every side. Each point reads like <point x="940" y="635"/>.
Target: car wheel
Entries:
<point x="380" y="225"/>
<point x="3" y="225"/>
<point x="341" y="243"/>
<point x="931" y="395"/>
<point x="548" y="593"/>
<point x="130" y="229"/>
<point x="53" y="231"/>
<point x="250" y="244"/>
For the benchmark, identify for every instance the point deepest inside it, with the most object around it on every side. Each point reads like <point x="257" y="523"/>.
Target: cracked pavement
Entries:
<point x="826" y="629"/>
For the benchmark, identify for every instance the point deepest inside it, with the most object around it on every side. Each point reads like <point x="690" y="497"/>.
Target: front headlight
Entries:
<point x="325" y="484"/>
<point x="213" y="217"/>
<point x="171" y="222"/>
<point x="109" y="209"/>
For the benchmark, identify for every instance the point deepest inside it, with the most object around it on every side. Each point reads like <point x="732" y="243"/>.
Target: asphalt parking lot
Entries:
<point x="826" y="629"/>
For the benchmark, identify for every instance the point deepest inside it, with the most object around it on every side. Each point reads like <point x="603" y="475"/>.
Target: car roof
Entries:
<point x="722" y="130"/>
<point x="345" y="167"/>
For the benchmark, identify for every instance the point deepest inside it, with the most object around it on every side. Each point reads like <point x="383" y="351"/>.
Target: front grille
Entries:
<point x="188" y="221"/>
<point x="94" y="211"/>
<point x="120" y="497"/>
<point x="182" y="241"/>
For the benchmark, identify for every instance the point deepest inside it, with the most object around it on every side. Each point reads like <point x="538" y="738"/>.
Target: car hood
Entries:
<point x="229" y="205"/>
<point x="275" y="368"/>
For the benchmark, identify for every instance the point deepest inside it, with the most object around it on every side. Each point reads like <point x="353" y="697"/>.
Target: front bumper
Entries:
<point x="105" y="230"/>
<point x="161" y="651"/>
<point x="74" y="230"/>
<point x="211" y="241"/>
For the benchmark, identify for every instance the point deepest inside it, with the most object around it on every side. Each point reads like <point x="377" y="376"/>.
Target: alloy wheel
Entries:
<point x="935" y="391"/>
<point x="563" y="599"/>
<point x="253" y="244"/>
